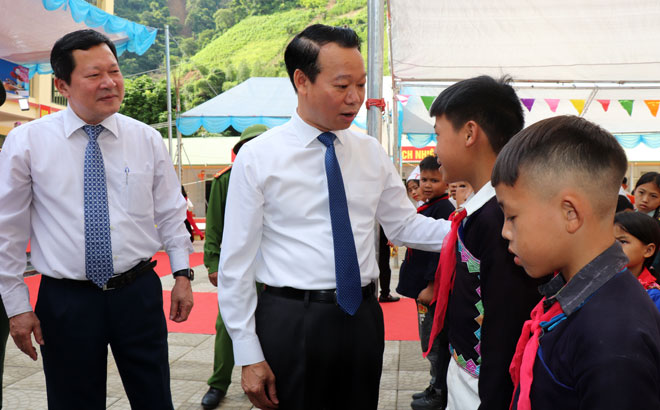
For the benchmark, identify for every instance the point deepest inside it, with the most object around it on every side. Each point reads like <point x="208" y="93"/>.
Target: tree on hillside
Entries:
<point x="145" y="99"/>
<point x="156" y="16"/>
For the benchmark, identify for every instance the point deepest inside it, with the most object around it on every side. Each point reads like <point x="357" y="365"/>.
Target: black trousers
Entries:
<point x="80" y="321"/>
<point x="384" y="264"/>
<point x="322" y="357"/>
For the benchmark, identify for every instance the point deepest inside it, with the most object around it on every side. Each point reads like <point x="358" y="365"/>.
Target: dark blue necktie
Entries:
<point x="98" y="246"/>
<point x="347" y="268"/>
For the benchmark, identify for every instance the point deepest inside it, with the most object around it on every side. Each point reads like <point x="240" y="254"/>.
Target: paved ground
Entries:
<point x="191" y="361"/>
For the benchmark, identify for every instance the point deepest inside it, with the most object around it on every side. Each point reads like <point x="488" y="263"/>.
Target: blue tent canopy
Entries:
<point x="28" y="32"/>
<point x="258" y="100"/>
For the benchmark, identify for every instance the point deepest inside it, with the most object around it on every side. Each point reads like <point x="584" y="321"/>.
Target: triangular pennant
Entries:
<point x="579" y="105"/>
<point x="653" y="106"/>
<point x="605" y="104"/>
<point x="627" y="105"/>
<point x="552" y="103"/>
<point x="528" y="102"/>
<point x="427" y="100"/>
<point x="403" y="99"/>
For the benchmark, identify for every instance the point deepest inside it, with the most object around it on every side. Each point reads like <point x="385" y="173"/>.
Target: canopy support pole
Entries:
<point x="169" y="89"/>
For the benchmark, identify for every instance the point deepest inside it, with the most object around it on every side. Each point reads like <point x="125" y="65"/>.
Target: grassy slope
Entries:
<point x="262" y="39"/>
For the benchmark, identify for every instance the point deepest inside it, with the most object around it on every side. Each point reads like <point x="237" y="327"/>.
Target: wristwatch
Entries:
<point x="188" y="273"/>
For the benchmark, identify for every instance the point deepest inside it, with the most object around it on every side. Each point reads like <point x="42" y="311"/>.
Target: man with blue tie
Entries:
<point x="302" y="208"/>
<point x="97" y="195"/>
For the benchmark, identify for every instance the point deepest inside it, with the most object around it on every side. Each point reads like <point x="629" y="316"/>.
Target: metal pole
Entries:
<point x="375" y="15"/>
<point x="375" y="18"/>
<point x="169" y="89"/>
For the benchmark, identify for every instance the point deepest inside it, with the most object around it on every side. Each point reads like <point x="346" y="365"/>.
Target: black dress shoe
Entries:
<point x="388" y="298"/>
<point x="432" y="401"/>
<point x="212" y="398"/>
<point x="424" y="393"/>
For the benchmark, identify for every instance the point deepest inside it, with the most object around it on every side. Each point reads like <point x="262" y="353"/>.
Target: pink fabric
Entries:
<point x="444" y="276"/>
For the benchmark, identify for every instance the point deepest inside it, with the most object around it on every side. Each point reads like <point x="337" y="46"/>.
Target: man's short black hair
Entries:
<point x="490" y="103"/>
<point x="561" y="146"/>
<point x="61" y="56"/>
<point x="303" y="51"/>
<point x="429" y="163"/>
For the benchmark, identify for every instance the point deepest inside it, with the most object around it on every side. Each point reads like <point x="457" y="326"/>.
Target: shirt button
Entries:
<point x="114" y="257"/>
<point x="112" y="228"/>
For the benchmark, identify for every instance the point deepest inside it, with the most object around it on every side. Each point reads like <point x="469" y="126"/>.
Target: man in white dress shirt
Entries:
<point x="97" y="195"/>
<point x="299" y="346"/>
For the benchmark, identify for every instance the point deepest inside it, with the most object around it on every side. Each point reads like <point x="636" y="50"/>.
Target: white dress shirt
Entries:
<point x="41" y="199"/>
<point x="476" y="200"/>
<point x="277" y="219"/>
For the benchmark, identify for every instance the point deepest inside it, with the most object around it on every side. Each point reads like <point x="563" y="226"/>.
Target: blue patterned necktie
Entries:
<point x="98" y="246"/>
<point x="347" y="268"/>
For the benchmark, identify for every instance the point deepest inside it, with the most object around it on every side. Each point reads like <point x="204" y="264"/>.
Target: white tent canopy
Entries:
<point x="531" y="40"/>
<point x="562" y="55"/>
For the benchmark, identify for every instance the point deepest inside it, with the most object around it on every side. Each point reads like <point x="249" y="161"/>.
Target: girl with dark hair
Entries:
<point x="647" y="194"/>
<point x="639" y="236"/>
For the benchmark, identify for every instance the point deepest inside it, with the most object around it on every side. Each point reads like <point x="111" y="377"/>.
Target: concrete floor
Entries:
<point x="191" y="359"/>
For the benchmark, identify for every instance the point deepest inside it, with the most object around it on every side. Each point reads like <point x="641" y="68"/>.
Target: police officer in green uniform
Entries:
<point x="223" y="360"/>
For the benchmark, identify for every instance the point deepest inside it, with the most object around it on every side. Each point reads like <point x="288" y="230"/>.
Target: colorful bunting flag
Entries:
<point x="653" y="106"/>
<point x="428" y="100"/>
<point x="605" y="104"/>
<point x="579" y="105"/>
<point x="403" y="99"/>
<point x="627" y="105"/>
<point x="552" y="103"/>
<point x="528" y="102"/>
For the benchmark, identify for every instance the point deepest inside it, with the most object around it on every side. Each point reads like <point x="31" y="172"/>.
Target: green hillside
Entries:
<point x="251" y="45"/>
<point x="258" y="42"/>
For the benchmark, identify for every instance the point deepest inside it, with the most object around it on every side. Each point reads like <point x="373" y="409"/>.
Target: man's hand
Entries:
<point x="426" y="295"/>
<point x="182" y="299"/>
<point x="258" y="382"/>
<point x="213" y="278"/>
<point x="21" y="328"/>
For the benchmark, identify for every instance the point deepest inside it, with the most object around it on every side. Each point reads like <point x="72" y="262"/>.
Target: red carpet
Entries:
<point x="400" y="317"/>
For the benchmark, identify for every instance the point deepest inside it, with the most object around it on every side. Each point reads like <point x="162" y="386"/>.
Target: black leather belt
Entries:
<point x="119" y="280"/>
<point x="122" y="279"/>
<point x="323" y="296"/>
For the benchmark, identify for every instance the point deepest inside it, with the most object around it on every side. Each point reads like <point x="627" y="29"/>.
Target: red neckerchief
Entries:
<point x="522" y="364"/>
<point x="647" y="280"/>
<point x="428" y="204"/>
<point x="444" y="275"/>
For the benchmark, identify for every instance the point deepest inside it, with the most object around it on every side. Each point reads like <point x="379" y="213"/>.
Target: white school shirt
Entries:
<point x="277" y="227"/>
<point x="42" y="197"/>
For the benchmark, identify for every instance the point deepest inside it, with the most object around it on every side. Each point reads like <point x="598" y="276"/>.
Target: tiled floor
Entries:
<point x="191" y="361"/>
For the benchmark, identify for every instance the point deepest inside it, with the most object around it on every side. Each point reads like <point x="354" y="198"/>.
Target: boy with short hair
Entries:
<point x="595" y="337"/>
<point x="416" y="278"/>
<point x="490" y="296"/>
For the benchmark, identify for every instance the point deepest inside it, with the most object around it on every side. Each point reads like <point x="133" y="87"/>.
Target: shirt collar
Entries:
<point x="73" y="123"/>
<point x="308" y="134"/>
<point x="476" y="201"/>
<point x="587" y="281"/>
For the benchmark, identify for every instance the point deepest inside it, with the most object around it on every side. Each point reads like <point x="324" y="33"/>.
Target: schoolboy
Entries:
<point x="416" y="278"/>
<point x="491" y="296"/>
<point x="596" y="334"/>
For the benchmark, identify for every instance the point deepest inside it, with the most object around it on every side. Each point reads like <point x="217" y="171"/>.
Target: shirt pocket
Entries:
<point x="137" y="197"/>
